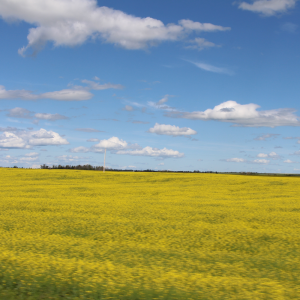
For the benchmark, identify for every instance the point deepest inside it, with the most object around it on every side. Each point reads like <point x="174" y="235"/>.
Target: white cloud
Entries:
<point x="153" y="152"/>
<point x="96" y="86"/>
<point x="93" y="140"/>
<point x="72" y="22"/>
<point x="272" y="155"/>
<point x="112" y="143"/>
<point x="70" y="158"/>
<point x="68" y="95"/>
<point x="288" y="161"/>
<point x="266" y="136"/>
<point x="238" y="160"/>
<point x="11" y="140"/>
<point x="19" y="112"/>
<point x="261" y="161"/>
<point x="245" y="115"/>
<point x="200" y="44"/>
<point x="76" y="94"/>
<point x="31" y="154"/>
<point x="211" y="68"/>
<point x="50" y="117"/>
<point x="119" y="146"/>
<point x="173" y="130"/>
<point x="80" y="149"/>
<point x="27" y="139"/>
<point x="268" y="7"/>
<point x="262" y="155"/>
<point x="128" y="108"/>
<point x="188" y="24"/>
<point x="161" y="104"/>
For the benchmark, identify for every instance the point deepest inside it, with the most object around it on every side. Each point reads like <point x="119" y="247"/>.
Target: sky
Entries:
<point x="209" y="85"/>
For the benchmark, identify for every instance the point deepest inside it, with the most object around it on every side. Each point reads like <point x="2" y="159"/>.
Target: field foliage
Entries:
<point x="69" y="234"/>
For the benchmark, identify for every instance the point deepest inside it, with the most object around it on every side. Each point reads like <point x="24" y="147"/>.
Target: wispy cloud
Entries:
<point x="211" y="68"/>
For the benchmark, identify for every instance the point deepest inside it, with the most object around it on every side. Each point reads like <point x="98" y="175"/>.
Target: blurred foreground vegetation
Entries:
<point x="93" y="235"/>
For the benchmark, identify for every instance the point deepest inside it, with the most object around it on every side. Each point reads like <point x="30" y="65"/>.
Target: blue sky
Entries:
<point x="169" y="85"/>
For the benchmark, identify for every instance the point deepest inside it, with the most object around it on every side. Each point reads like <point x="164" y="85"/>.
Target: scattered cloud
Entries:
<point x="119" y="146"/>
<point x="162" y="129"/>
<point x="80" y="149"/>
<point x="161" y="104"/>
<point x="30" y="157"/>
<point x="244" y="115"/>
<point x="211" y="68"/>
<point x="268" y="7"/>
<point x="288" y="161"/>
<point x="71" y="158"/>
<point x="27" y="139"/>
<point x="200" y="44"/>
<point x="128" y="108"/>
<point x="261" y="161"/>
<point x="153" y="152"/>
<point x="296" y="153"/>
<point x="93" y="140"/>
<point x="50" y="117"/>
<point x="96" y="86"/>
<point x="71" y="23"/>
<point x="289" y="27"/>
<point x="272" y="155"/>
<point x="75" y="94"/>
<point x="88" y="130"/>
<point x="19" y="112"/>
<point x="235" y="159"/>
<point x="266" y="136"/>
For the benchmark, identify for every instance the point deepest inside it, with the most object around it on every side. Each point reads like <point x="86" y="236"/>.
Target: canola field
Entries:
<point x="68" y="234"/>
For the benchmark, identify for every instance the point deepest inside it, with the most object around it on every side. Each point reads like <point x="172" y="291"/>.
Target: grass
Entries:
<point x="68" y="234"/>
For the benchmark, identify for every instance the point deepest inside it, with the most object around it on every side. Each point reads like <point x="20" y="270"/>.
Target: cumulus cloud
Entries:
<point x="119" y="146"/>
<point x="76" y="94"/>
<point x="200" y="44"/>
<point x="153" y="152"/>
<point x="264" y="137"/>
<point x="211" y="68"/>
<point x="27" y="139"/>
<point x="173" y="130"/>
<point x="245" y="115"/>
<point x="272" y="155"/>
<point x="268" y="7"/>
<point x="72" y="22"/>
<point x="235" y="159"/>
<point x="113" y="143"/>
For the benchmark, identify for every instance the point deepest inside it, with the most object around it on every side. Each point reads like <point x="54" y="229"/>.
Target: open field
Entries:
<point x="68" y="234"/>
